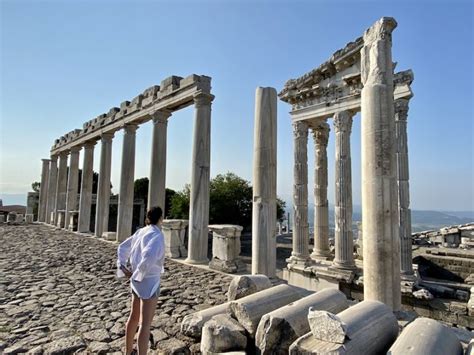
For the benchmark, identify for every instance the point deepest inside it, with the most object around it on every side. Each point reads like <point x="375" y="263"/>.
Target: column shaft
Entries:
<point x="404" y="221"/>
<point x="53" y="180"/>
<point x="379" y="168"/>
<point x="61" y="186"/>
<point x="85" y="200"/>
<point x="127" y="175"/>
<point x="300" y="253"/>
<point x="344" y="243"/>
<point x="43" y="195"/>
<point x="264" y="183"/>
<point x="199" y="203"/>
<point x="321" y="213"/>
<point x="157" y="186"/>
<point x="103" y="188"/>
<point x="72" y="185"/>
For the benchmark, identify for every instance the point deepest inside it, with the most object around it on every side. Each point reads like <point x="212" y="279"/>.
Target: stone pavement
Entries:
<point x="59" y="295"/>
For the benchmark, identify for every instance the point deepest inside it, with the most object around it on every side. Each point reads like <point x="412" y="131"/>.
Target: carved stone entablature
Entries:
<point x="403" y="77"/>
<point x="176" y="90"/>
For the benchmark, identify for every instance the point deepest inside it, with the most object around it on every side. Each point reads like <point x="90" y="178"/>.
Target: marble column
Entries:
<point x="85" y="201"/>
<point x="72" y="184"/>
<point x="52" y="181"/>
<point x="379" y="168"/>
<point x="404" y="221"/>
<point x="300" y="238"/>
<point x="157" y="186"/>
<point x="61" y="186"/>
<point x="103" y="188"/>
<point x="127" y="176"/>
<point x="199" y="204"/>
<point x="264" y="183"/>
<point x="321" y="212"/>
<point x="43" y="195"/>
<point x="344" y="243"/>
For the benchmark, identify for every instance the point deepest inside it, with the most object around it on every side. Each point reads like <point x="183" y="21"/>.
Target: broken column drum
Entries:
<point x="264" y="214"/>
<point x="379" y="168"/>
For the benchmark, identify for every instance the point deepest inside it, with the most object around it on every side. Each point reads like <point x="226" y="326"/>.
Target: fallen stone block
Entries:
<point x="277" y="330"/>
<point x="192" y="324"/>
<point x="222" y="333"/>
<point x="245" y="285"/>
<point x="250" y="309"/>
<point x="426" y="336"/>
<point x="368" y="328"/>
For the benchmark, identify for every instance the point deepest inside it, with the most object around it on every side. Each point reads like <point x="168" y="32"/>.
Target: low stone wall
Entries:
<point x="446" y="265"/>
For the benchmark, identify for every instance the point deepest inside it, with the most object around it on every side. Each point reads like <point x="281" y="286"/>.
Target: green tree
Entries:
<point x="36" y="186"/>
<point x="140" y="191"/>
<point x="230" y="201"/>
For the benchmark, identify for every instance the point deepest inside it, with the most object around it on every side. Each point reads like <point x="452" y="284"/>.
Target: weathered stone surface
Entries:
<point x="370" y="328"/>
<point x="173" y="232"/>
<point x="81" y="304"/>
<point x="250" y="309"/>
<point x="225" y="247"/>
<point x="426" y="336"/>
<point x="278" y="329"/>
<point x="192" y="324"/>
<point x="327" y="326"/>
<point x="245" y="285"/>
<point x="222" y="333"/>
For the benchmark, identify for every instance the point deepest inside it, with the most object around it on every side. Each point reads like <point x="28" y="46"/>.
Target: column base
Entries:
<point x="343" y="266"/>
<point x="411" y="277"/>
<point x="299" y="260"/>
<point x="197" y="262"/>
<point x="320" y="255"/>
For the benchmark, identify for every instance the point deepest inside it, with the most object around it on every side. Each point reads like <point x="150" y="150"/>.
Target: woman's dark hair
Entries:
<point x="153" y="215"/>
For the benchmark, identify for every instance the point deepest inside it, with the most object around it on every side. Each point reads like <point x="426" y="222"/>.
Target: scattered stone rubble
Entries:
<point x="461" y="236"/>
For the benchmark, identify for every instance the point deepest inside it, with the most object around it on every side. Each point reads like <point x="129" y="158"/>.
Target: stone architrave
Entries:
<point x="127" y="175"/>
<point x="43" y="196"/>
<point x="300" y="252"/>
<point x="85" y="200"/>
<point x="321" y="213"/>
<point x="404" y="221"/>
<point x="72" y="185"/>
<point x="52" y="181"/>
<point x="61" y="187"/>
<point x="344" y="243"/>
<point x="379" y="168"/>
<point x="199" y="201"/>
<point x="225" y="247"/>
<point x="174" y="231"/>
<point x="103" y="188"/>
<point x="157" y="186"/>
<point x="264" y="215"/>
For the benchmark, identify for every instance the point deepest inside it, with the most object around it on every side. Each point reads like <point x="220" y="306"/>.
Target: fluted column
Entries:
<point x="43" y="195"/>
<point x="52" y="182"/>
<point x="344" y="243"/>
<point x="404" y="221"/>
<point x="72" y="184"/>
<point x="264" y="183"/>
<point x="127" y="175"/>
<point x="61" y="186"/>
<point x="379" y="168"/>
<point x="157" y="186"/>
<point x="199" y="204"/>
<point x="85" y="201"/>
<point x="103" y="188"/>
<point x="321" y="213"/>
<point x="300" y="253"/>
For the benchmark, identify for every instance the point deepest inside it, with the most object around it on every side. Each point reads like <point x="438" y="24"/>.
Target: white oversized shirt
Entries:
<point x="145" y="250"/>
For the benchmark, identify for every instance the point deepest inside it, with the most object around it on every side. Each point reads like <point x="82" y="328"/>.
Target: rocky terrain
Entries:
<point x="59" y="295"/>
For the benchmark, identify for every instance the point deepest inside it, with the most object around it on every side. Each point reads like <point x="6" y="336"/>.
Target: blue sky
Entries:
<point x="65" y="62"/>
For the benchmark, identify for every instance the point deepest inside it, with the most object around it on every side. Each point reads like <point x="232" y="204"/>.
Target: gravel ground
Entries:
<point x="59" y="295"/>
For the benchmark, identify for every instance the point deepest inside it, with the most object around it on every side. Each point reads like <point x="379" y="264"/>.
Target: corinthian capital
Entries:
<point x="343" y="122"/>
<point x="161" y="116"/>
<point x="321" y="133"/>
<point x="300" y="129"/>
<point x="202" y="99"/>
<point x="401" y="109"/>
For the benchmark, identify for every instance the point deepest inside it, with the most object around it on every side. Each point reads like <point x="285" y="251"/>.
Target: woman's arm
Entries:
<point x="150" y="255"/>
<point x="123" y="253"/>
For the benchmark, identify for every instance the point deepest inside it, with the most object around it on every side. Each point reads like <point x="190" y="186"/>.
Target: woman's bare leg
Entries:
<point x="132" y="323"/>
<point x="147" y="311"/>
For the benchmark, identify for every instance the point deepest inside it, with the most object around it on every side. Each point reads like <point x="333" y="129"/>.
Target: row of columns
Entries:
<point x="344" y="258"/>
<point x="59" y="188"/>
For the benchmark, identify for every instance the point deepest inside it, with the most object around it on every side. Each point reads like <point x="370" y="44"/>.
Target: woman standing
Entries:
<point x="141" y="258"/>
